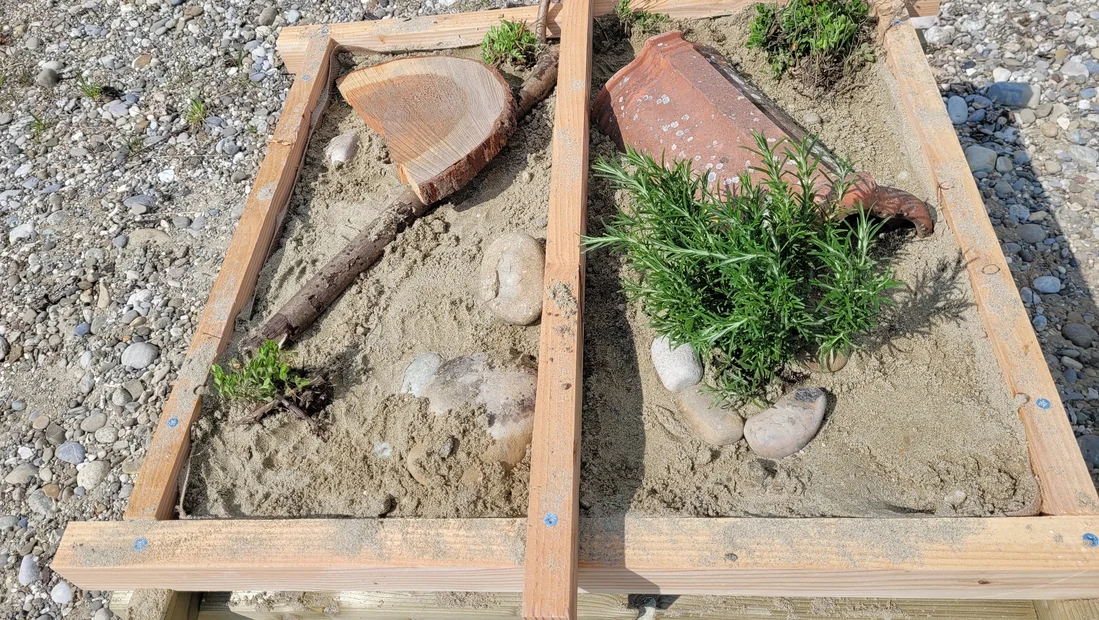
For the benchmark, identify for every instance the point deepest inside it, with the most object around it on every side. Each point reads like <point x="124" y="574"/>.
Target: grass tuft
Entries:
<point x="751" y="278"/>
<point x="821" y="40"/>
<point x="640" y="21"/>
<point x="510" y="42"/>
<point x="89" y="89"/>
<point x="39" y="126"/>
<point x="196" y="111"/>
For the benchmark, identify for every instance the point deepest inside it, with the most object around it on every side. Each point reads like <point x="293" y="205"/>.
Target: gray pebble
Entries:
<point x="71" y="452"/>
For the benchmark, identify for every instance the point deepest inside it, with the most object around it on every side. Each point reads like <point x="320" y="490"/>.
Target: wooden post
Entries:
<point x="154" y="494"/>
<point x="553" y="512"/>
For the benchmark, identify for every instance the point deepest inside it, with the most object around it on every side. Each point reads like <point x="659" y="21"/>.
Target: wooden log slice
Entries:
<point x="443" y="118"/>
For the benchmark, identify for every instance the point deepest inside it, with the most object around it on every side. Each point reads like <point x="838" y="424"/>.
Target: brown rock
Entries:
<point x="788" y="425"/>
<point x="511" y="278"/>
<point x="714" y="425"/>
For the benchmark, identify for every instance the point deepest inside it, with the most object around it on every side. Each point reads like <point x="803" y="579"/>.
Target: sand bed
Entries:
<point x="919" y="421"/>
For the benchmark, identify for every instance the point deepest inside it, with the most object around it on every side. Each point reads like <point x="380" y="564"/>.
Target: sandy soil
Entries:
<point x="919" y="421"/>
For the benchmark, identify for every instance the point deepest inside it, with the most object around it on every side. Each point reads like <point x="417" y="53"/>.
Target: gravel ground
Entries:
<point x="130" y="134"/>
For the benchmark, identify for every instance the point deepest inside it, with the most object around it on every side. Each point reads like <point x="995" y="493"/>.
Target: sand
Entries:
<point x="919" y="421"/>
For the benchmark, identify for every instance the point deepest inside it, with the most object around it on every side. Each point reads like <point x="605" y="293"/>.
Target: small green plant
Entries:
<point x="39" y="126"/>
<point x="641" y="21"/>
<point x="822" y="40"/>
<point x="3" y="79"/>
<point x="24" y="79"/>
<point x="750" y="278"/>
<point x="196" y="111"/>
<point x="89" y="89"/>
<point x="267" y="381"/>
<point x="134" y="145"/>
<point x="510" y="42"/>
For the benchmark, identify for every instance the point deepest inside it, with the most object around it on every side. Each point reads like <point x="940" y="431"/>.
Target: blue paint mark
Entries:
<point x="140" y="544"/>
<point x="173" y="422"/>
<point x="305" y="78"/>
<point x="1091" y="540"/>
<point x="1043" y="403"/>
<point x="324" y="31"/>
<point x="551" y="519"/>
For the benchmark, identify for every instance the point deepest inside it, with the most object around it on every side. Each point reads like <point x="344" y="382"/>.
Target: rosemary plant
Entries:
<point x="749" y="278"/>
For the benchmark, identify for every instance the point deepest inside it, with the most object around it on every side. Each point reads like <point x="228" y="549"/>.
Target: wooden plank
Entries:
<point x="1002" y="558"/>
<point x="449" y="606"/>
<point x="1066" y="486"/>
<point x="1084" y="609"/>
<point x="467" y="29"/>
<point x="554" y="509"/>
<point x="154" y="493"/>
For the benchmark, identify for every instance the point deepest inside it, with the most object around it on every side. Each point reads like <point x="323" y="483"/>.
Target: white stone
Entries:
<point x="167" y="176"/>
<point x="788" y="425"/>
<point x="342" y="148"/>
<point x="28" y="570"/>
<point x="1074" y="69"/>
<point x="939" y="35"/>
<point x="678" y="368"/>
<point x="1001" y="74"/>
<point x="62" y="593"/>
<point x="92" y="474"/>
<point x="511" y="278"/>
<point x="420" y="372"/>
<point x="20" y="232"/>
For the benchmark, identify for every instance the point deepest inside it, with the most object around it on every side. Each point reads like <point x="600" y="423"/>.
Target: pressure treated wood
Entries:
<point x="1066" y="486"/>
<point x="553" y="511"/>
<point x="442" y="118"/>
<point x="1002" y="558"/>
<point x="154" y="493"/>
<point x="1067" y="610"/>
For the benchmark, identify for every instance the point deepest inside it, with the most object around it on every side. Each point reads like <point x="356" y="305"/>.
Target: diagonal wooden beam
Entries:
<point x="154" y="493"/>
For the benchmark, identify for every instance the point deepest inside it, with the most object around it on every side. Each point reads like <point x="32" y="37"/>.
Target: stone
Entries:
<point x="47" y="78"/>
<point x="980" y="159"/>
<point x="939" y="35"/>
<point x="140" y="355"/>
<point x="1025" y="117"/>
<point x="788" y="425"/>
<point x="1089" y="449"/>
<point x="1079" y="334"/>
<point x="22" y="474"/>
<point x="1000" y="74"/>
<point x="71" y="452"/>
<point x="268" y="16"/>
<point x="957" y="109"/>
<point x="28" y="570"/>
<point x="506" y="395"/>
<point x="511" y="277"/>
<point x="712" y="424"/>
<point x="21" y="232"/>
<point x="1073" y="69"/>
<point x="92" y="474"/>
<point x="1032" y="233"/>
<point x="342" y="148"/>
<point x="1084" y="155"/>
<point x="678" y="368"/>
<point x="1047" y="284"/>
<point x="61" y="593"/>
<point x="40" y="503"/>
<point x="420" y="372"/>
<point x="95" y="421"/>
<point x="120" y="397"/>
<point x="1014" y="94"/>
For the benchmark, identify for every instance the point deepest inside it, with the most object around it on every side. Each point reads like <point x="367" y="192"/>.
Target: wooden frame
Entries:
<point x="554" y="552"/>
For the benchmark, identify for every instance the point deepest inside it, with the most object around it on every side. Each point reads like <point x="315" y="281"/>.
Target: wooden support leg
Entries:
<point x="156" y="605"/>
<point x="552" y="516"/>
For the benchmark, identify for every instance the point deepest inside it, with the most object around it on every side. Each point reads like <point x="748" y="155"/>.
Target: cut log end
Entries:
<point x="443" y="118"/>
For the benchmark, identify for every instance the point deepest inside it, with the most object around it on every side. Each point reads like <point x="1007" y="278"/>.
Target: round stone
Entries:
<point x="677" y="368"/>
<point x="139" y="355"/>
<point x="788" y="425"/>
<point x="1047" y="284"/>
<point x="1079" y="334"/>
<point x="71" y="452"/>
<point x="511" y="276"/>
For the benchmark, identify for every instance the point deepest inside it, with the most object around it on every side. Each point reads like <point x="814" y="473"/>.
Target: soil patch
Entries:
<point x="919" y="423"/>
